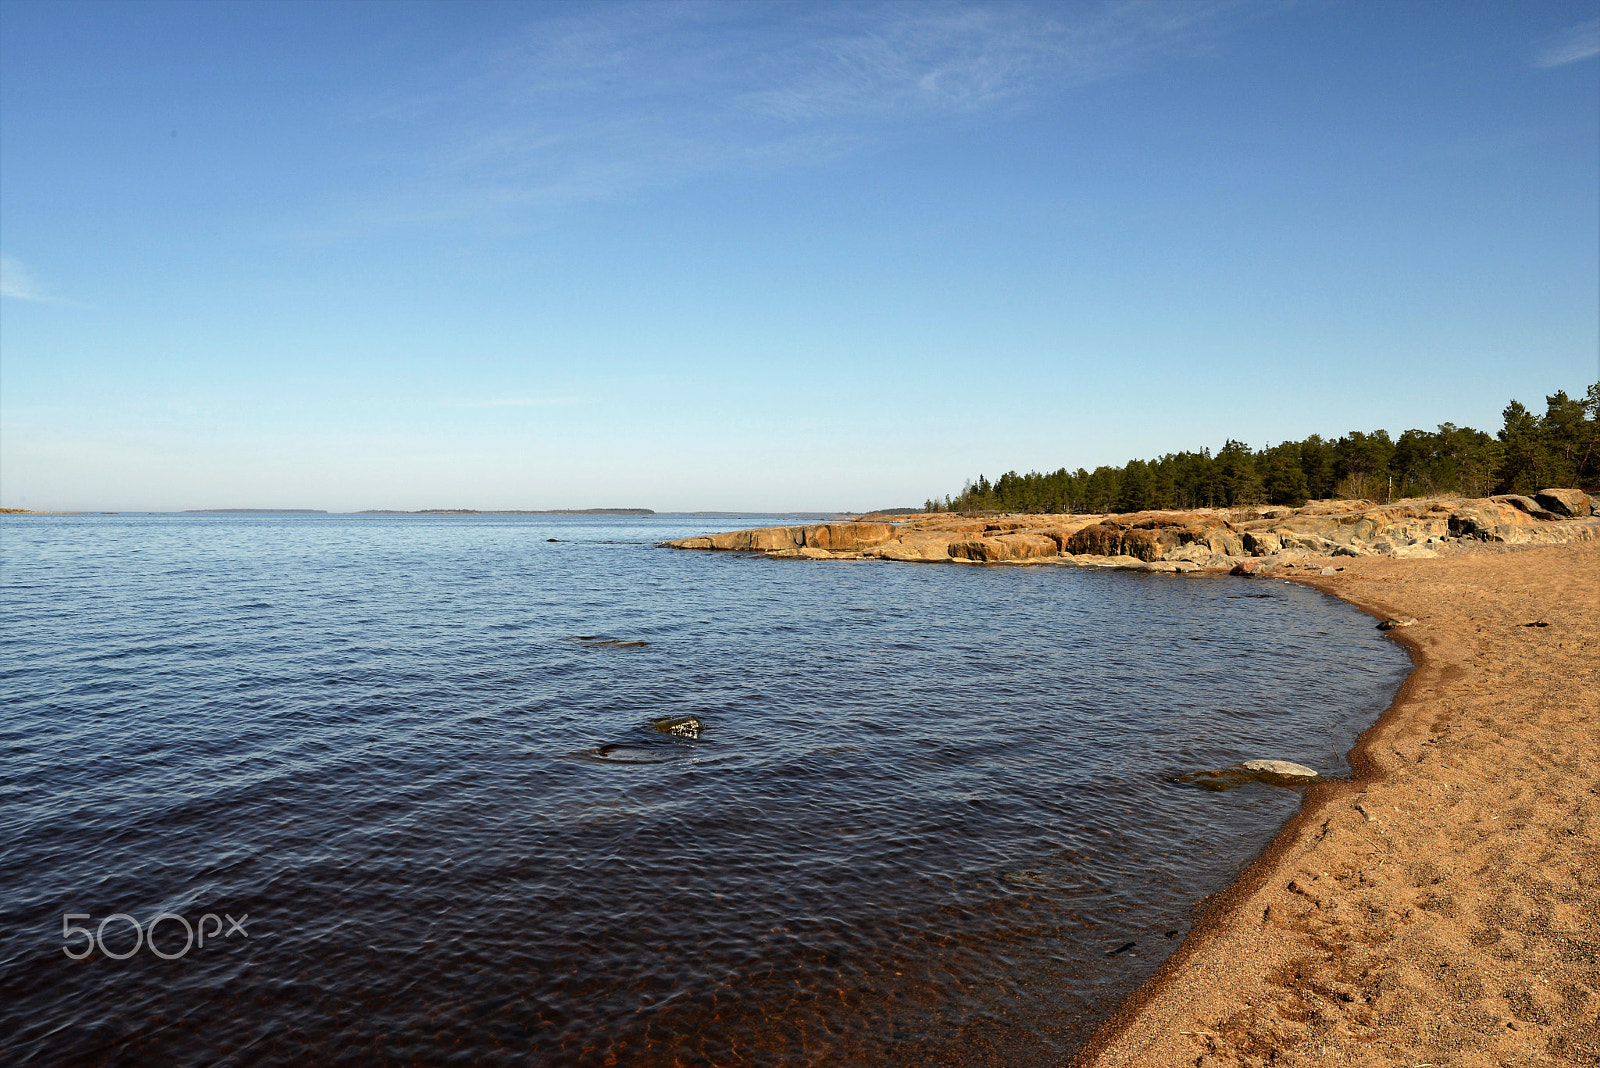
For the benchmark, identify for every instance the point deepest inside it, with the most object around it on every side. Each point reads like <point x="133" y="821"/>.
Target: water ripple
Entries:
<point x="918" y="813"/>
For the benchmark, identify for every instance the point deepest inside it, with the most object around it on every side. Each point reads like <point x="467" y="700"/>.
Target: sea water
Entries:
<point x="445" y="790"/>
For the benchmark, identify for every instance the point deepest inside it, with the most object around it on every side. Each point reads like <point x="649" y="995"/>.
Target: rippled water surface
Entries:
<point x="898" y="814"/>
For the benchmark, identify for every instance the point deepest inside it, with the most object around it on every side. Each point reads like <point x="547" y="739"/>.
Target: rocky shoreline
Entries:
<point x="1247" y="540"/>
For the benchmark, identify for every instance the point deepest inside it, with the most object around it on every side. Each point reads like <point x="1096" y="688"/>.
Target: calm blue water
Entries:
<point x="923" y="806"/>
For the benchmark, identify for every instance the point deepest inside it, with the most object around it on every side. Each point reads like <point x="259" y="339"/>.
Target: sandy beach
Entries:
<point x="1443" y="908"/>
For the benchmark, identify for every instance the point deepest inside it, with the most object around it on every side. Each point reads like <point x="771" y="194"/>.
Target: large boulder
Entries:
<point x="1300" y="541"/>
<point x="1097" y="539"/>
<point x="761" y="539"/>
<point x="835" y="537"/>
<point x="1030" y="546"/>
<point x="1060" y="537"/>
<point x="1004" y="548"/>
<point x="1261" y="542"/>
<point x="847" y="537"/>
<point x="1526" y="504"/>
<point x="1194" y="552"/>
<point x="1149" y="544"/>
<point x="1147" y="541"/>
<point x="1571" y="503"/>
<point x="1492" y="521"/>
<point x="1358" y="528"/>
<point x="766" y="539"/>
<point x="1224" y="542"/>
<point x="744" y="541"/>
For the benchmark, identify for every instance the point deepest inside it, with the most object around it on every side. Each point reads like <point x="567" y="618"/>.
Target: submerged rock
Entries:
<point x="1285" y="768"/>
<point x="630" y="754"/>
<point x="678" y="726"/>
<point x="1271" y="772"/>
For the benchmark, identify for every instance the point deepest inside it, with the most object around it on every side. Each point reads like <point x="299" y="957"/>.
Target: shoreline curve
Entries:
<point x="1440" y="906"/>
<point x="1478" y="947"/>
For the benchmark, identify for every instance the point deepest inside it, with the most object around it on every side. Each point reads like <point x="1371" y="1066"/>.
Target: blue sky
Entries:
<point x="768" y="256"/>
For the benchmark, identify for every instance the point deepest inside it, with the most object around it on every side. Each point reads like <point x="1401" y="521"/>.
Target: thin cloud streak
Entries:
<point x="1570" y="45"/>
<point x="602" y="103"/>
<point x="18" y="284"/>
<point x="954" y="59"/>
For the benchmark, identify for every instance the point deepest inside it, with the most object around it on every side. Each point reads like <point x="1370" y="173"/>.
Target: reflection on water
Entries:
<point x="487" y="798"/>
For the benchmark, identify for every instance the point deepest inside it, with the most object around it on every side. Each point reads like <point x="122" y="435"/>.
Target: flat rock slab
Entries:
<point x="1249" y="541"/>
<point x="1270" y="772"/>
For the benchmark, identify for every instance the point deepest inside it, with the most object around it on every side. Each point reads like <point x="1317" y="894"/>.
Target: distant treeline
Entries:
<point x="509" y="511"/>
<point x="1530" y="452"/>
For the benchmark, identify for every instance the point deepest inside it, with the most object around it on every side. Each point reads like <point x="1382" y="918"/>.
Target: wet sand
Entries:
<point x="1443" y="908"/>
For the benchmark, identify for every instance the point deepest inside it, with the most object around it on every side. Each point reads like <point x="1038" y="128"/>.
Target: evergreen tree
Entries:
<point x="1567" y="434"/>
<point x="1284" y="480"/>
<point x="1530" y="452"/>
<point x="1363" y="463"/>
<point x="1321" y="465"/>
<point x="1136" y="491"/>
<point x="1523" y="460"/>
<point x="1236" y="474"/>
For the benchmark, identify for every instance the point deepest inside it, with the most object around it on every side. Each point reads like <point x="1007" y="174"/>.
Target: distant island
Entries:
<point x="504" y="511"/>
<point x="255" y="511"/>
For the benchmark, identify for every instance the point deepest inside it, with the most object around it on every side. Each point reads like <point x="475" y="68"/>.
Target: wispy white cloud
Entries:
<point x="17" y="283"/>
<point x="932" y="59"/>
<point x="1570" y="45"/>
<point x="595" y="103"/>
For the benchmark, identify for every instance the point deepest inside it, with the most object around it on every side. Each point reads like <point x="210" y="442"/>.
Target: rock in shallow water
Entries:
<point x="678" y="726"/>
<point x="631" y="754"/>
<point x="1271" y="772"/>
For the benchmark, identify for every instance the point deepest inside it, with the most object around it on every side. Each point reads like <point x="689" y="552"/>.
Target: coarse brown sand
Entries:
<point x="1443" y="907"/>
